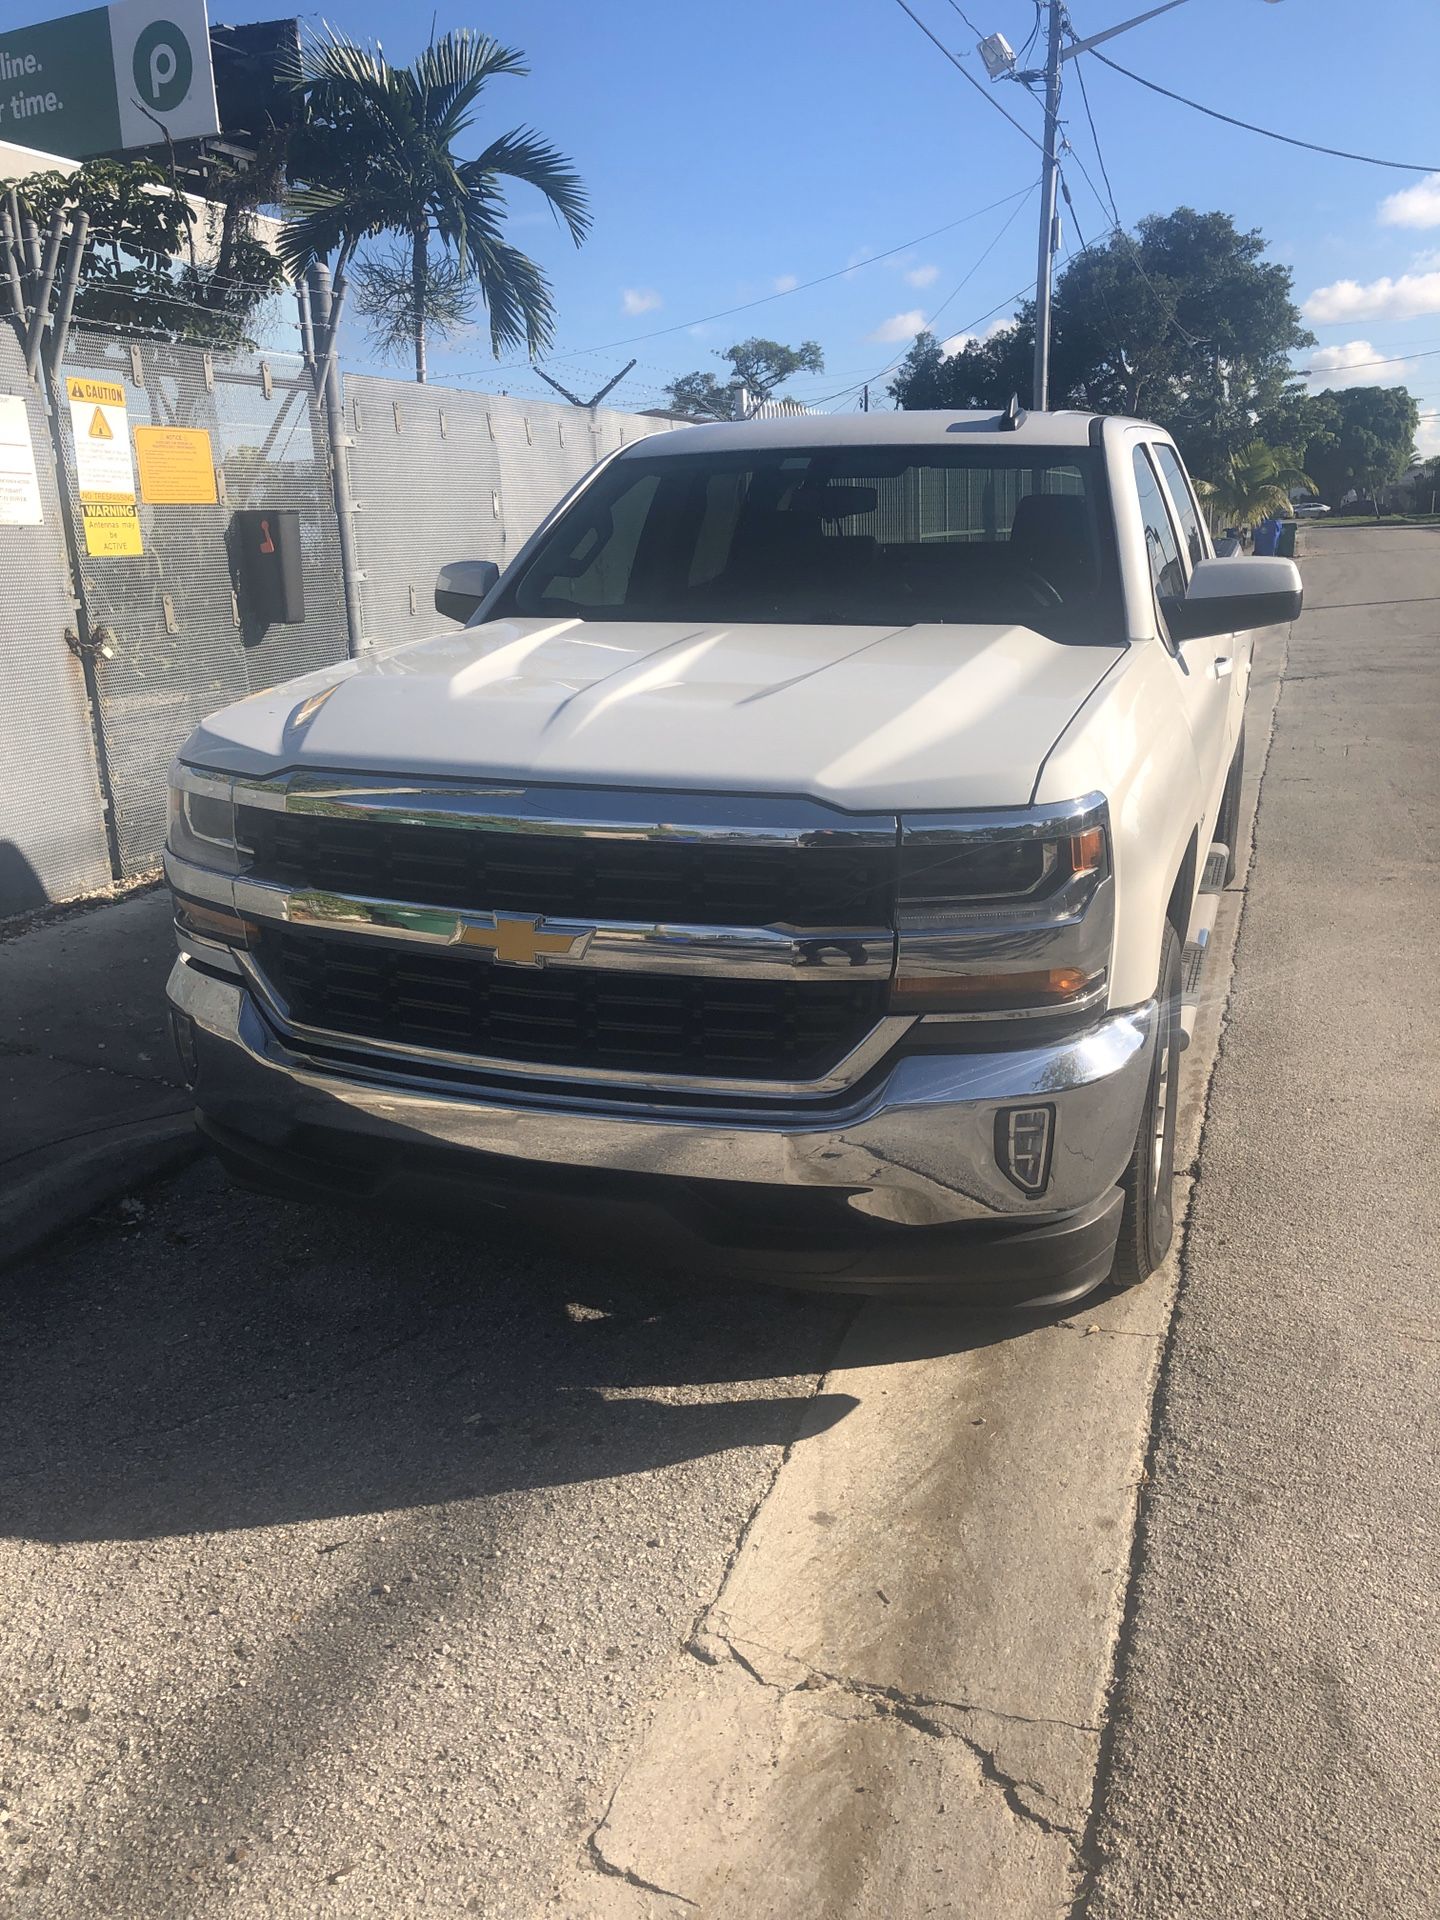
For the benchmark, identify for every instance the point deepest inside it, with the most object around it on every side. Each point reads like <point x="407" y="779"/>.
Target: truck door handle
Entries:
<point x="1224" y="665"/>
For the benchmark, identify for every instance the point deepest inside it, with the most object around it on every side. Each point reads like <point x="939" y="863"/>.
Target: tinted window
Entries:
<point x="1183" y="501"/>
<point x="1161" y="547"/>
<point x="880" y="536"/>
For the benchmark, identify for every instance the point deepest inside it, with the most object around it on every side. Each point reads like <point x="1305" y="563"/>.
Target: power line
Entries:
<point x="1318" y="373"/>
<point x="1104" y="174"/>
<point x="966" y="18"/>
<point x="784" y="293"/>
<point x="1311" y="146"/>
<point x="965" y="74"/>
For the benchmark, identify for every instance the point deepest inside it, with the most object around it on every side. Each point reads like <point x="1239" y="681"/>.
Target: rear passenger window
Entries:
<point x="1183" y="501"/>
<point x="1161" y="547"/>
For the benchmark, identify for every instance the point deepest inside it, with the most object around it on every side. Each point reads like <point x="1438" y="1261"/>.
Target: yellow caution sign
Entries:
<point x="100" y="428"/>
<point x="104" y="471"/>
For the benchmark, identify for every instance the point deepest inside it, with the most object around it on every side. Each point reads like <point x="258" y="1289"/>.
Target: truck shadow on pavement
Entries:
<point x="205" y="1359"/>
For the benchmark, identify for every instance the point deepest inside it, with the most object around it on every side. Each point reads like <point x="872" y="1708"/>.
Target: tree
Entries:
<point x="133" y="274"/>
<point x="1184" y="323"/>
<point x="763" y="365"/>
<point x="385" y="296"/>
<point x="1358" y="438"/>
<point x="375" y="155"/>
<point x="1256" y="481"/>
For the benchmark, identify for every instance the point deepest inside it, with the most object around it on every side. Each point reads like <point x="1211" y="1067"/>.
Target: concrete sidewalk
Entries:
<point x="90" y="1095"/>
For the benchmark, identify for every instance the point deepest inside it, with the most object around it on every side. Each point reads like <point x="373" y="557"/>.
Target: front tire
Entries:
<point x="1148" y="1223"/>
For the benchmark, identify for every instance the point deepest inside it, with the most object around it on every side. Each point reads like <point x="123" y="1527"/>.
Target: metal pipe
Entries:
<point x="12" y="267"/>
<point x="43" y="292"/>
<point x="332" y="330"/>
<point x="32" y="256"/>
<point x="307" y="326"/>
<point x="75" y="253"/>
<point x="325" y="314"/>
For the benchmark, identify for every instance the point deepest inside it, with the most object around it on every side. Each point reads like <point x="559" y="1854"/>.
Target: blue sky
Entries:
<point x="733" y="150"/>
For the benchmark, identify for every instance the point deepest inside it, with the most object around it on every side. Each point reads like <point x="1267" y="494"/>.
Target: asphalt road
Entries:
<point x="1275" y="1749"/>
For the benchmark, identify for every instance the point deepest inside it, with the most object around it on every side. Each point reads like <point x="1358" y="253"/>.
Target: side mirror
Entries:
<point x="460" y="587"/>
<point x="1233" y="594"/>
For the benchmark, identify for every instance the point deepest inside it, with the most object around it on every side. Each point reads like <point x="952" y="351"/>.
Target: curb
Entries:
<point x="86" y="1175"/>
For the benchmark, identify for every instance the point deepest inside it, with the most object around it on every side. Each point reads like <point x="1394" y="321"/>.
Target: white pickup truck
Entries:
<point x="796" y="848"/>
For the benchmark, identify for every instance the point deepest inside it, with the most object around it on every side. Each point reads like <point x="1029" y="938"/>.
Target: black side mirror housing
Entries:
<point x="462" y="585"/>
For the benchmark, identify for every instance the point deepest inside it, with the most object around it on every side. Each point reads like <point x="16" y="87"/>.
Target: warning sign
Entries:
<point x="177" y="466"/>
<point x="104" y="471"/>
<point x="112" y="527"/>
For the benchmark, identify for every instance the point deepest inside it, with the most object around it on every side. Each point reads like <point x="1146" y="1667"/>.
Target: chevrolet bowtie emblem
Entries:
<point x="518" y="940"/>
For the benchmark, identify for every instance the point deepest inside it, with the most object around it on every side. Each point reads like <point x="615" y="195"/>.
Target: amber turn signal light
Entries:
<point x="1052" y="987"/>
<point x="215" y="923"/>
<point x="1087" y="850"/>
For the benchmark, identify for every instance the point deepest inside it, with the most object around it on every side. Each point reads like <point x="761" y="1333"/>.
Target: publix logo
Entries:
<point x="162" y="65"/>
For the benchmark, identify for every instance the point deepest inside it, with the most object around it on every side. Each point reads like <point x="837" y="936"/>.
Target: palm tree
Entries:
<point x="1256" y="481"/>
<point x="375" y="154"/>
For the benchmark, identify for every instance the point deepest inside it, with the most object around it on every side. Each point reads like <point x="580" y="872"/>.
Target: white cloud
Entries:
<point x="787" y="282"/>
<point x="1384" y="299"/>
<point x="1351" y="365"/>
<point x="856" y="261"/>
<point x="988" y="332"/>
<point x="1427" y="437"/>
<point x="923" y="276"/>
<point x="900" y="326"/>
<point x="640" y="300"/>
<point x="1417" y="206"/>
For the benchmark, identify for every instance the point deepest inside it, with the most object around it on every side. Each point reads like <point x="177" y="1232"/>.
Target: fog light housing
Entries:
<point x="1024" y="1140"/>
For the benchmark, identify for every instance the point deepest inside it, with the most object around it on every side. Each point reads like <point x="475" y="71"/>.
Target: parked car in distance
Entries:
<point x="1309" y="509"/>
<point x="808" y="845"/>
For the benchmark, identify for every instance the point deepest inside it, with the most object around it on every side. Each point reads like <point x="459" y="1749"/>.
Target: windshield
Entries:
<point x="852" y="535"/>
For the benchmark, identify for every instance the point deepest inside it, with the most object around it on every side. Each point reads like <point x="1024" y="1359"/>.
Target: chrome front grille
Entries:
<point x="662" y="940"/>
<point x="575" y="877"/>
<point x="460" y="1003"/>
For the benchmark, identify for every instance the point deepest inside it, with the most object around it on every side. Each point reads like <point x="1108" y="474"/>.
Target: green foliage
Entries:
<point x="1255" y="480"/>
<point x="132" y="275"/>
<point x="762" y="364"/>
<point x="1184" y="323"/>
<point x="1359" y="438"/>
<point x="375" y="154"/>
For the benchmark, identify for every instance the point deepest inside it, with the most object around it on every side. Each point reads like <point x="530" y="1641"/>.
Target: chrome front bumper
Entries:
<point x="916" y="1148"/>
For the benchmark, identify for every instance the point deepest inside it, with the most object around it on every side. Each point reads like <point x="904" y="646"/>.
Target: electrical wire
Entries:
<point x="957" y="8"/>
<point x="1095" y="137"/>
<point x="965" y="74"/>
<point x="1289" y="140"/>
<point x="724" y="313"/>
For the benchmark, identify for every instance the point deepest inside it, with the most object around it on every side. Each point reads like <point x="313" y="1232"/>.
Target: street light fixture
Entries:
<point x="1000" y="64"/>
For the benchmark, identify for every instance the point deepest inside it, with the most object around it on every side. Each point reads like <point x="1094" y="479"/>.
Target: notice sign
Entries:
<point x="19" y="484"/>
<point x="177" y="466"/>
<point x="104" y="473"/>
<point x="115" y="77"/>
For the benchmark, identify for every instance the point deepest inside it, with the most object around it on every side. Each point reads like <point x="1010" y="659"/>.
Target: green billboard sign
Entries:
<point x="98" y="82"/>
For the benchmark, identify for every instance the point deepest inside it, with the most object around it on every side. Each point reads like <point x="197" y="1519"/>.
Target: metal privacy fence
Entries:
<point x="52" y="821"/>
<point x="179" y="639"/>
<point x="442" y="475"/>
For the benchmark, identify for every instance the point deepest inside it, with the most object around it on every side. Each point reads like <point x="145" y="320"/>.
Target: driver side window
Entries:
<point x="1162" y="549"/>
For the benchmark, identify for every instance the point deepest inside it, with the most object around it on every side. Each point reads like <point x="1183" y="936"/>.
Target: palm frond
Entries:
<point x="523" y="155"/>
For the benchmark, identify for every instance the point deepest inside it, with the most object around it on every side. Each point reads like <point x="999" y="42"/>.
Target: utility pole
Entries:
<point x="865" y="398"/>
<point x="1040" y="394"/>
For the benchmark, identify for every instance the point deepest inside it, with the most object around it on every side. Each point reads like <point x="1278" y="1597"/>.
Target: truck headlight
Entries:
<point x="1004" y="913"/>
<point x="201" y="822"/>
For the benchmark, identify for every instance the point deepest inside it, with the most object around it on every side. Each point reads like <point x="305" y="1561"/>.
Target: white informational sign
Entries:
<point x="19" y="483"/>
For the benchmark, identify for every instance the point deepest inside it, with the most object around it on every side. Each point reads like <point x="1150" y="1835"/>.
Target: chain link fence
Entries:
<point x="179" y="638"/>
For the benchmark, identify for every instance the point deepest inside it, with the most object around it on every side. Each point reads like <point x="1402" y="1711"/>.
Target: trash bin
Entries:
<point x="1289" y="535"/>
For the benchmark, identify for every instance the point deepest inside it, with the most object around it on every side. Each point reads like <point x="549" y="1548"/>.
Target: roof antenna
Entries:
<point x="1011" y="418"/>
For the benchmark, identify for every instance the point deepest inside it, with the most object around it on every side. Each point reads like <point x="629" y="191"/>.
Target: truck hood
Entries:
<point x="923" y="716"/>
